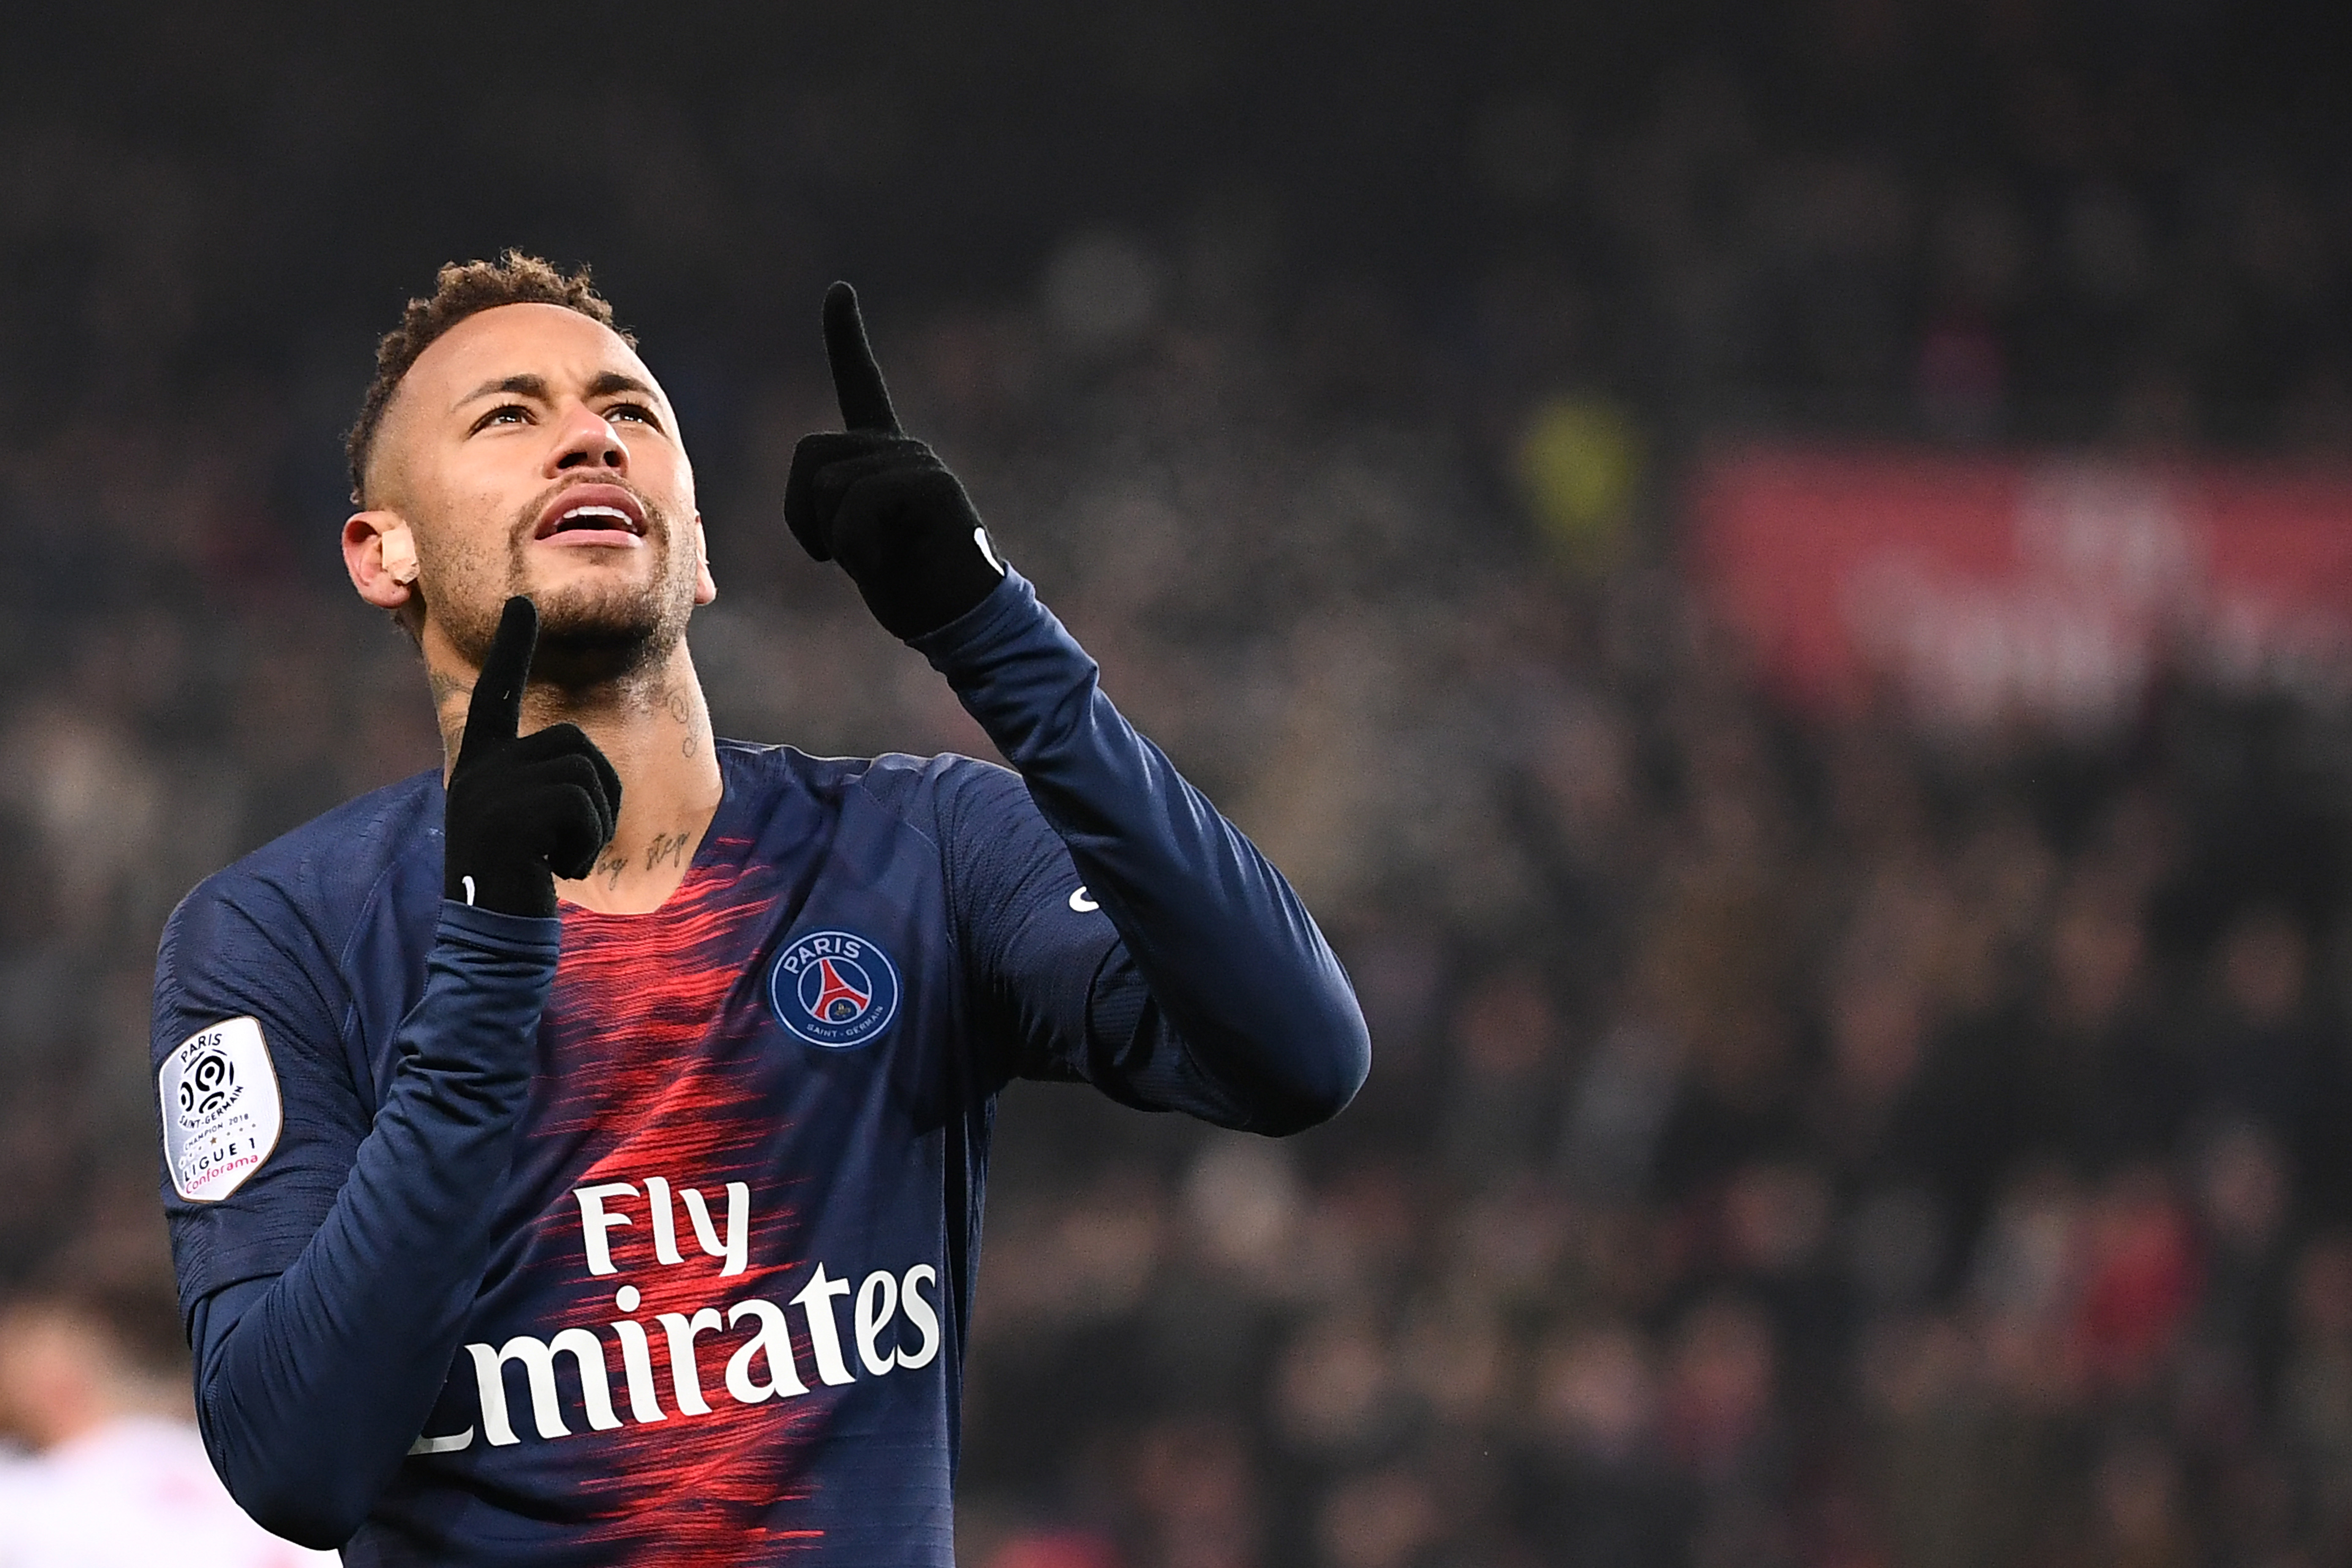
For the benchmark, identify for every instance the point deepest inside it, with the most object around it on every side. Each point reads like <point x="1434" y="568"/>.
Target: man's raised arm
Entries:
<point x="1220" y="995"/>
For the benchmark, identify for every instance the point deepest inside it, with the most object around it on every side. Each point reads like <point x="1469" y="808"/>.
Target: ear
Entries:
<point x="380" y="554"/>
<point x="706" y="586"/>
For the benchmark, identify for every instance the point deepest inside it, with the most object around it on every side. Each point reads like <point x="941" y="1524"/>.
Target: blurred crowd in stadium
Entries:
<point x="1793" y="1139"/>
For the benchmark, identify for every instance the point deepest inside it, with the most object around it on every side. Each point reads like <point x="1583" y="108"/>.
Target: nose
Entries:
<point x="586" y="440"/>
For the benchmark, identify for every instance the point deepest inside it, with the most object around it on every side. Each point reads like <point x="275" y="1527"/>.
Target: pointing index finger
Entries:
<point x="496" y="712"/>
<point x="856" y="379"/>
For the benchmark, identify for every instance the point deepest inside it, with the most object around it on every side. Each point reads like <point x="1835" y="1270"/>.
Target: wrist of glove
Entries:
<point x="522" y="810"/>
<point x="881" y="504"/>
<point x="888" y="510"/>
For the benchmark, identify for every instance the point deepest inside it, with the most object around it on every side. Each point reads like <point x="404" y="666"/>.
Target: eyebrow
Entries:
<point x="527" y="385"/>
<point x="522" y="386"/>
<point x="612" y="381"/>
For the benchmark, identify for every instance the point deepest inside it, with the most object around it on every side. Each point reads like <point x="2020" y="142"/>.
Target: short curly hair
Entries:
<point x="463" y="289"/>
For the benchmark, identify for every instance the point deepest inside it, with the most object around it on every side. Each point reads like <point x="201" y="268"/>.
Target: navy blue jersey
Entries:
<point x="690" y="1282"/>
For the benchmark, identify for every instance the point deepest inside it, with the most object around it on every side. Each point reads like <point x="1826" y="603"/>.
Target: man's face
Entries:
<point x="528" y="450"/>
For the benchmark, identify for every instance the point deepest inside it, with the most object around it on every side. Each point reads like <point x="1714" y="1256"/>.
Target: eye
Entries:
<point x="637" y="412"/>
<point x="504" y="414"/>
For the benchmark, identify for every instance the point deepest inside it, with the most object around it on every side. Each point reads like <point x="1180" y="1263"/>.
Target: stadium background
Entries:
<point x="1870" y="1127"/>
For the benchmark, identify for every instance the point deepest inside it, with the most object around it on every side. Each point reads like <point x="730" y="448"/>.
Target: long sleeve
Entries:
<point x="312" y="1383"/>
<point x="1213" y="992"/>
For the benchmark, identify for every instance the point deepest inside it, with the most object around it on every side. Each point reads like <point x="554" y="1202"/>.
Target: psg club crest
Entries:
<point x="834" y="989"/>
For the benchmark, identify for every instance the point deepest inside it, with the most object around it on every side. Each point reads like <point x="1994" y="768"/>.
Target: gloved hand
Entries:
<point x="880" y="502"/>
<point x="522" y="811"/>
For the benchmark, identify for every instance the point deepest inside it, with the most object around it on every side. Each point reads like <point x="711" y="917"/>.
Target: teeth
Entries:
<point x="613" y="511"/>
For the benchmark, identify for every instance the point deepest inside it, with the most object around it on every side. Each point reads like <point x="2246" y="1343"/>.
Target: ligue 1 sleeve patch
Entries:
<point x="222" y="1113"/>
<point x="834" y="989"/>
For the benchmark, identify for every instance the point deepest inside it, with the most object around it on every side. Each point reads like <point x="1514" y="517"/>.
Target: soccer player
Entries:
<point x="574" y="1155"/>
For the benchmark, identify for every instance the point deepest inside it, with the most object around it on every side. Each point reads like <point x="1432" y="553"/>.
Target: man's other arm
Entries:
<point x="311" y="1384"/>
<point x="312" y="1381"/>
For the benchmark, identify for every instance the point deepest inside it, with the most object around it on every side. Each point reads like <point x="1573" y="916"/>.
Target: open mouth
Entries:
<point x="593" y="514"/>
<point x="594" y="517"/>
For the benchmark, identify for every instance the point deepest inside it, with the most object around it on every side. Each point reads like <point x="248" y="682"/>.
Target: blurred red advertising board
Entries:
<point x="1982" y="589"/>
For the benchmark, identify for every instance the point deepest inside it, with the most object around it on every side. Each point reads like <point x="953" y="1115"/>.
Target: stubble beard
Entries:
<point x="593" y="637"/>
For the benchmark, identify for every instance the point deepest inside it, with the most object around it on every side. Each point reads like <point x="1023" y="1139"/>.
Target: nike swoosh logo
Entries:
<point x="1083" y="904"/>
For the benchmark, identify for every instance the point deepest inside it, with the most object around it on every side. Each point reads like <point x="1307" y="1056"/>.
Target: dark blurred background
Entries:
<point x="1894" y="1119"/>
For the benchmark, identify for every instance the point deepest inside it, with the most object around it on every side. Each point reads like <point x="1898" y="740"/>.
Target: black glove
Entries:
<point x="880" y="502"/>
<point x="522" y="811"/>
